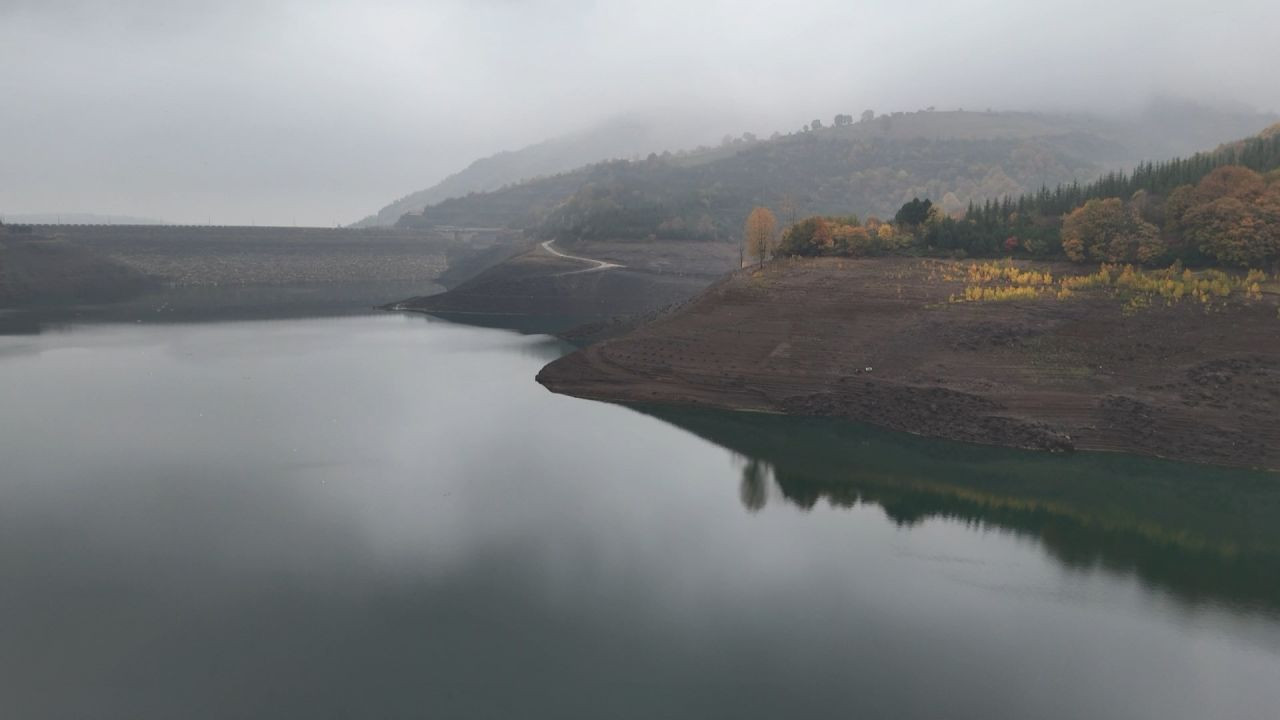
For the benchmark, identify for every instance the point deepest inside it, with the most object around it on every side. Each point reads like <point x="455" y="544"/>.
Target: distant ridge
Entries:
<point x="1166" y="127"/>
<point x="618" y="138"/>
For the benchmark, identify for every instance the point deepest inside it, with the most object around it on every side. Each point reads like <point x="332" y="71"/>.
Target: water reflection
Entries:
<point x="386" y="517"/>
<point x="755" y="484"/>
<point x="1200" y="533"/>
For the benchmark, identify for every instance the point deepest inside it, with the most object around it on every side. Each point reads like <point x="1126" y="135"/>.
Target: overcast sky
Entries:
<point x="321" y="112"/>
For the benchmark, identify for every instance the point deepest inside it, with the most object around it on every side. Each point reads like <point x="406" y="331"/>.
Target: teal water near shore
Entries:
<point x="385" y="516"/>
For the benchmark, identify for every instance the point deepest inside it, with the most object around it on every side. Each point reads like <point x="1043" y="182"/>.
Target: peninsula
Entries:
<point x="1072" y="360"/>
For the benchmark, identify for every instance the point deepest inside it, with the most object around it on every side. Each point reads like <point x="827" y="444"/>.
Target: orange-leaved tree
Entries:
<point x="1232" y="214"/>
<point x="1109" y="231"/>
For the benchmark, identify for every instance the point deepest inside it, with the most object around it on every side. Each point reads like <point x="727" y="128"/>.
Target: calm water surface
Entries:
<point x="385" y="517"/>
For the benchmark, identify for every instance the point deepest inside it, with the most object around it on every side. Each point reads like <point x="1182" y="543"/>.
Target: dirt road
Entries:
<point x="597" y="265"/>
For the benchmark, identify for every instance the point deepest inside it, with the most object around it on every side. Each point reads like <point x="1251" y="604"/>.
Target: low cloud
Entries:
<point x="318" y="113"/>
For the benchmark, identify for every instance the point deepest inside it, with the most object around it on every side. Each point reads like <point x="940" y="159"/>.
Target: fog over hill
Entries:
<point x="868" y="165"/>
<point x="284" y="112"/>
<point x="617" y="138"/>
<point x="1166" y="126"/>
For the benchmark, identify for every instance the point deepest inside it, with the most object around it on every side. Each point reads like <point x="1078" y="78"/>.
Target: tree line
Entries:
<point x="1214" y="208"/>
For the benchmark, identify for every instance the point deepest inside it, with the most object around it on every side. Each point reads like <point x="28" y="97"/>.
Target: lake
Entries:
<point x="386" y="517"/>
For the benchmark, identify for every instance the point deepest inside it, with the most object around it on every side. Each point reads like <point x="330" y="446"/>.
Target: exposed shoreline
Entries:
<point x="877" y="341"/>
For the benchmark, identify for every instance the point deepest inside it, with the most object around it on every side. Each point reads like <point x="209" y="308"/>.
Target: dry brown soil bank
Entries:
<point x="877" y="341"/>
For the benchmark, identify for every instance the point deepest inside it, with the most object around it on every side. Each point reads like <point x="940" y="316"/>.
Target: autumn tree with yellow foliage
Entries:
<point x="759" y="233"/>
<point x="841" y="236"/>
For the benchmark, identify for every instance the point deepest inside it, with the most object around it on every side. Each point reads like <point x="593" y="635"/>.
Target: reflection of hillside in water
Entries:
<point x="1202" y="534"/>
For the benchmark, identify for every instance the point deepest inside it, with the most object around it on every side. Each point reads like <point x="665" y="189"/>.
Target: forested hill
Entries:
<point x="621" y="137"/>
<point x="1217" y="207"/>
<point x="871" y="165"/>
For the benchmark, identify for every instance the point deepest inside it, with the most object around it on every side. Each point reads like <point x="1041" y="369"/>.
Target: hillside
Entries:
<point x="874" y="165"/>
<point x="619" y="138"/>
<point x="680" y="216"/>
<point x="870" y="167"/>
<point x="673" y="220"/>
<point x="950" y="350"/>
<point x="1218" y="207"/>
<point x="542" y="291"/>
